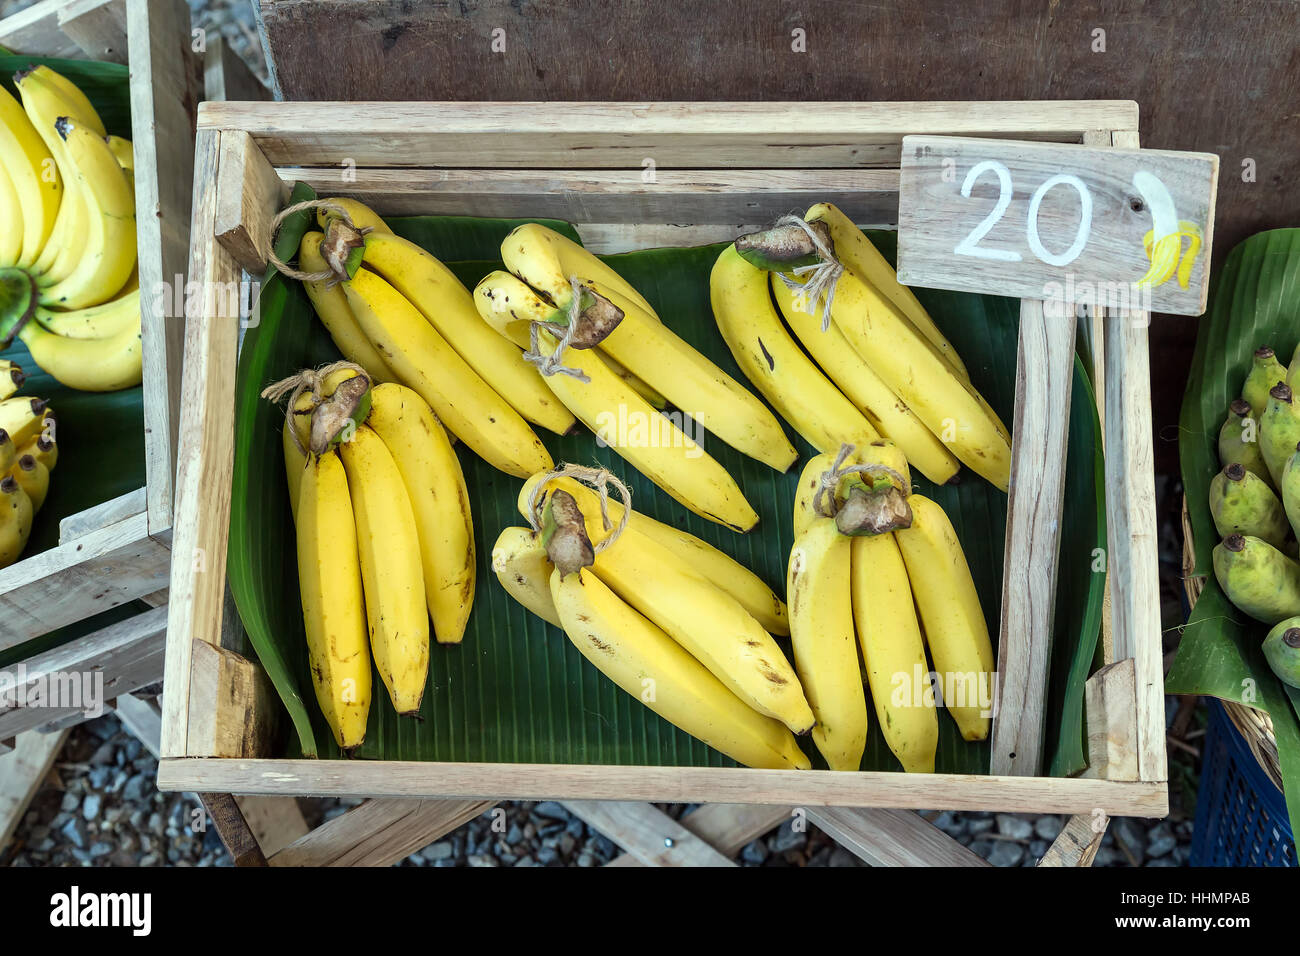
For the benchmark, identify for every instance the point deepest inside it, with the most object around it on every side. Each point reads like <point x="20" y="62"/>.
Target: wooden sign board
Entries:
<point x="1123" y="229"/>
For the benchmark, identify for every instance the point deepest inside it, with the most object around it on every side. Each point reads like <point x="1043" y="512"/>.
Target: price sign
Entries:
<point x="1072" y="225"/>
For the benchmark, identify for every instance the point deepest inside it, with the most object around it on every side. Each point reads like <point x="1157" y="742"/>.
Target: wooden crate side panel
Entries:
<point x="36" y="31"/>
<point x="98" y="27"/>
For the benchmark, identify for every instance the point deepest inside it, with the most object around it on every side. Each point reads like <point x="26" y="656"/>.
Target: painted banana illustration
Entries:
<point x="1164" y="242"/>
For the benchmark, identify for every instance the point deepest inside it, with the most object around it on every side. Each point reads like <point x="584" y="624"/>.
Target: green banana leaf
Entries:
<point x="1255" y="301"/>
<point x="516" y="690"/>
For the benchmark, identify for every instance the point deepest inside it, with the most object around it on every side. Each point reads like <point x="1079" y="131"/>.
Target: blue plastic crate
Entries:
<point x="1241" y="817"/>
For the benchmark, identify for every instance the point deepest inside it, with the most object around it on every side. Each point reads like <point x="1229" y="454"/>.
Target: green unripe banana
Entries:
<point x="1279" y="430"/>
<point x="1282" y="651"/>
<point x="1293" y="370"/>
<point x="1265" y="372"/>
<point x="1243" y="503"/>
<point x="1291" y="489"/>
<point x="1239" y="440"/>
<point x="1258" y="578"/>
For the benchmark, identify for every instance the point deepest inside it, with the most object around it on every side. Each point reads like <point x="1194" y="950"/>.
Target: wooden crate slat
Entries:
<point x="1077" y="844"/>
<point x="249" y="193"/>
<point x="727" y="827"/>
<point x="102" y="515"/>
<point x="892" y="837"/>
<point x="36" y="31"/>
<point x="22" y="771"/>
<point x="98" y="27"/>
<point x="379" y="832"/>
<point x="1111" y="702"/>
<point x="227" y="77"/>
<point x="647" y="833"/>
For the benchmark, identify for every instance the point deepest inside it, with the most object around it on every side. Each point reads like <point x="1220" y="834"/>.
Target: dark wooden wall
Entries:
<point x="1221" y="77"/>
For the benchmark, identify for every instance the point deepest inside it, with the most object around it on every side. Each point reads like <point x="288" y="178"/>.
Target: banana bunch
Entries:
<point x="68" y="285"/>
<point x="671" y="620"/>
<point x="608" y="358"/>
<point x="400" y="314"/>
<point x="28" y="453"/>
<point x="868" y="555"/>
<point x="385" y="540"/>
<point x="876" y="367"/>
<point x="1255" y="500"/>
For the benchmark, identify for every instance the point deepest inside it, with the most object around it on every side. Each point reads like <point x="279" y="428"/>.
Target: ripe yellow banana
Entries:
<point x="774" y="363"/>
<point x="333" y="608"/>
<point x="856" y="252"/>
<point x="11" y="378"/>
<point x="423" y="360"/>
<point x="43" y="449"/>
<point x="893" y="651"/>
<point x="879" y="452"/>
<point x="706" y="561"/>
<point x="34" y="175"/>
<point x="645" y="662"/>
<point x="702" y="618"/>
<point x="362" y="216"/>
<point x="8" y="452"/>
<point x="75" y="102"/>
<point x="23" y="418"/>
<point x="97" y="321"/>
<point x="109" y="254"/>
<point x="435" y="484"/>
<point x="34" y="478"/>
<point x="861" y="385"/>
<point x="15" y="520"/>
<point x="124" y="151"/>
<point x="547" y="261"/>
<point x="825" y="652"/>
<point x="89" y="365"/>
<point x="11" y="221"/>
<point x="295" y="461"/>
<point x="434" y="289"/>
<point x="955" y="629"/>
<point x="524" y="569"/>
<point x="331" y="305"/>
<point x="391" y="571"/>
<point x="910" y="365"/>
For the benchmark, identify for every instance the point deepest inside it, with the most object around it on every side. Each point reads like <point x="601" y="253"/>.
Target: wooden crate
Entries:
<point x="720" y="169"/>
<point x="120" y="551"/>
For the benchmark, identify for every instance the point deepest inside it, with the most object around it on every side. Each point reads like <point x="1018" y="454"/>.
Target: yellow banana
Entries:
<point x="390" y="569"/>
<point x="434" y="289"/>
<point x="34" y="479"/>
<point x="124" y="152"/>
<point x="774" y="363"/>
<point x="11" y="221"/>
<point x="910" y="365"/>
<point x="861" y="385"/>
<point x="645" y="662"/>
<point x="45" y="104"/>
<point x="825" y="652"/>
<point x="329" y="576"/>
<point x="879" y="452"/>
<point x="702" y="618"/>
<point x="23" y="418"/>
<point x="893" y="651"/>
<point x="109" y="254"/>
<point x="856" y="252"/>
<point x="423" y="361"/>
<point x="362" y="216"/>
<point x="522" y="566"/>
<point x="547" y="261"/>
<point x="295" y="459"/>
<point x="331" y="305"/>
<point x="15" y="520"/>
<point x="11" y="378"/>
<point x="96" y="321"/>
<point x="89" y="365"/>
<point x="43" y="449"/>
<point x="8" y="452"/>
<point x="435" y="484"/>
<point x="642" y="388"/>
<point x="950" y="612"/>
<point x="34" y="175"/>
<point x="695" y="555"/>
<point x="75" y="102"/>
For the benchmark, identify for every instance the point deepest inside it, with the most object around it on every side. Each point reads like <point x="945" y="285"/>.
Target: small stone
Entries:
<point x="787" y="838"/>
<point x="547" y="855"/>
<point x="75" y="831"/>
<point x="841" y="857"/>
<point x="1038" y="848"/>
<point x="1006" y="853"/>
<point x="586" y="859"/>
<point x="950" y="823"/>
<point x="1128" y="832"/>
<point x="1048" y="828"/>
<point x="482" y="859"/>
<point x="101" y="849"/>
<point x="603" y="846"/>
<point x="135" y="788"/>
<point x="1161" y="841"/>
<point x="514" y="834"/>
<point x="149" y="859"/>
<point x="1106" y="856"/>
<point x="566" y="845"/>
<point x="70" y="802"/>
<point x="754" y="852"/>
<point x="552" y="811"/>
<point x="1018" y="828"/>
<point x="576" y="829"/>
<point x="982" y="848"/>
<point x="978" y="825"/>
<point x="1162" y="861"/>
<point x="437" y="851"/>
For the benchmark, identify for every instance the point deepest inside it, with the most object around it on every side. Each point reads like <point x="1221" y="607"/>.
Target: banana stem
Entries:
<point x="18" y="300"/>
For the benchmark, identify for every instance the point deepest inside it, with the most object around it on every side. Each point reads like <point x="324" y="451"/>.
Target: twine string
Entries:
<point x="599" y="480"/>
<point x="299" y="382"/>
<point x="550" y="364"/>
<point x="326" y="275"/>
<point x="823" y="277"/>
<point x="831" y="478"/>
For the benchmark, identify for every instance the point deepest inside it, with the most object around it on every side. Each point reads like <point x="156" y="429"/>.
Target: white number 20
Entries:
<point x="970" y="245"/>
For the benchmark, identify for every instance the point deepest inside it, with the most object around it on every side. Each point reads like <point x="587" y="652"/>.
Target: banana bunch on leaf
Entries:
<point x="384" y="534"/>
<point x="868" y="556"/>
<point x="608" y="358"/>
<point x="1255" y="504"/>
<point x="674" y="622"/>
<point x="865" y="360"/>
<point x="68" y="282"/>
<point x="28" y="453"/>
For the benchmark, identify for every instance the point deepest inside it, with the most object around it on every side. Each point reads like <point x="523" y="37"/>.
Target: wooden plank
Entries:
<point x="227" y="77"/>
<point x="80" y="578"/>
<point x="647" y="833"/>
<point x="102" y="515"/>
<point x="380" y="778"/>
<point x="205" y="454"/>
<point x="633" y="196"/>
<point x="1077" y="844"/>
<point x="36" y="30"/>
<point x="276" y="822"/>
<point x="1131" y="522"/>
<point x="143" y="718"/>
<point x="22" y="772"/>
<point x="1044" y="373"/>
<point x="672" y="135"/>
<point x="98" y="27"/>
<point x="892" y="837"/>
<point x="231" y="704"/>
<point x="727" y="827"/>
<point x="379" y="832"/>
<point x="163" y="100"/>
<point x="118" y="659"/>
<point x="1111" y="703"/>
<point x="238" y="837"/>
<point x="249" y="194"/>
<point x="1063" y="222"/>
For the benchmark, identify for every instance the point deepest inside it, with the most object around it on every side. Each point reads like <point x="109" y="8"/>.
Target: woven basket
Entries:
<point x="1256" y="727"/>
